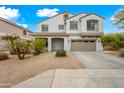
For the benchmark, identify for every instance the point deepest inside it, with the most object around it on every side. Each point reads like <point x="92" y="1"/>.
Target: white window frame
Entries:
<point x="74" y="25"/>
<point x="43" y="27"/>
<point x="92" y="25"/>
<point x="61" y="27"/>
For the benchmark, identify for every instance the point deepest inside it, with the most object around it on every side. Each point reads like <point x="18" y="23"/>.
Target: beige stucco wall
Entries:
<point x="3" y="44"/>
<point x="53" y="23"/>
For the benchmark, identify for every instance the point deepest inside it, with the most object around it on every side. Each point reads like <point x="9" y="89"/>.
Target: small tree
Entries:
<point x="19" y="46"/>
<point x="38" y="45"/>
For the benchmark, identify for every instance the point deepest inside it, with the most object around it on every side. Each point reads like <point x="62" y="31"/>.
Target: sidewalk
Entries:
<point x="78" y="78"/>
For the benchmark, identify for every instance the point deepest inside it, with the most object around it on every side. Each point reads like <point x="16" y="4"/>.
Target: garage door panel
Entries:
<point x="83" y="46"/>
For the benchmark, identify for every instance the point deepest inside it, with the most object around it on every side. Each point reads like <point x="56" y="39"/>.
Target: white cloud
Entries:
<point x="23" y="25"/>
<point x="9" y="13"/>
<point x="112" y="18"/>
<point x="47" y="12"/>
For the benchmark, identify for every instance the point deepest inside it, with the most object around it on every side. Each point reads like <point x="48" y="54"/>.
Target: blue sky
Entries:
<point x="29" y="15"/>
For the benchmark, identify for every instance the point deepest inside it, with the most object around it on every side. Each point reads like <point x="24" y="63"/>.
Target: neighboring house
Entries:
<point x="10" y="28"/>
<point x="80" y="32"/>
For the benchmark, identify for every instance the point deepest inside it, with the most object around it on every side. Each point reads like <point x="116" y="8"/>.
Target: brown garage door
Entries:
<point x="83" y="45"/>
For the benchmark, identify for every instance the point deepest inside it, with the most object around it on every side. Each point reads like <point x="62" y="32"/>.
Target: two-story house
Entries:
<point x="80" y="32"/>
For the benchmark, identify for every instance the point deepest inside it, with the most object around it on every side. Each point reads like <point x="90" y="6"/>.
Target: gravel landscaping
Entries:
<point x="14" y="71"/>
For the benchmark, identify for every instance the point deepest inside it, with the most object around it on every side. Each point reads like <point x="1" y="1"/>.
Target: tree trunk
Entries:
<point x="19" y="54"/>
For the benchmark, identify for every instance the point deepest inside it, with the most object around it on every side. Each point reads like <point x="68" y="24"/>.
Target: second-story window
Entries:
<point x="44" y="27"/>
<point x="61" y="27"/>
<point x="92" y="25"/>
<point x="73" y="25"/>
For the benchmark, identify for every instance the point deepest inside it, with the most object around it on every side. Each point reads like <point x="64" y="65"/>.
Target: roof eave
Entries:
<point x="91" y="14"/>
<point x="11" y="23"/>
<point x="54" y="16"/>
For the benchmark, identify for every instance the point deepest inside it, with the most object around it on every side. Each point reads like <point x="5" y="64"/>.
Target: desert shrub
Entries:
<point x="38" y="45"/>
<point x="109" y="39"/>
<point x="120" y="36"/>
<point x="114" y="41"/>
<point x="3" y="56"/>
<point x="21" y="48"/>
<point x="35" y="53"/>
<point x="121" y="52"/>
<point x="12" y="52"/>
<point x="18" y="46"/>
<point x="121" y="44"/>
<point x="60" y="53"/>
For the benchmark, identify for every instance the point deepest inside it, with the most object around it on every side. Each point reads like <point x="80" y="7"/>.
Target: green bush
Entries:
<point x="36" y="53"/>
<point x="109" y="39"/>
<point x="3" y="56"/>
<point x="60" y="53"/>
<point x="18" y="46"/>
<point x="121" y="44"/>
<point x="38" y="45"/>
<point x="120" y="36"/>
<point x="114" y="41"/>
<point x="121" y="52"/>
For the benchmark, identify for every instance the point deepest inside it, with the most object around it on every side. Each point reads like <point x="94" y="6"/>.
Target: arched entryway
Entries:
<point x="57" y="43"/>
<point x="46" y="46"/>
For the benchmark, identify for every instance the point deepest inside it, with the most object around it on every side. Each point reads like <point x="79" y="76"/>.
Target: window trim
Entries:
<point x="44" y="25"/>
<point x="74" y="28"/>
<point x="90" y="28"/>
<point x="60" y="27"/>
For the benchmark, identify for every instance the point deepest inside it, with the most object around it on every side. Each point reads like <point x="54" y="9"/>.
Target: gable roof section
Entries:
<point x="11" y="23"/>
<point x="55" y="16"/>
<point x="92" y="14"/>
<point x="76" y="15"/>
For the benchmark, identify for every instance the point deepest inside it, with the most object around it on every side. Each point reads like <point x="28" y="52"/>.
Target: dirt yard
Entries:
<point x="13" y="71"/>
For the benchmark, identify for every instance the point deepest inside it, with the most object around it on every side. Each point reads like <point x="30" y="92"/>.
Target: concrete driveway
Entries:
<point x="102" y="71"/>
<point x="99" y="60"/>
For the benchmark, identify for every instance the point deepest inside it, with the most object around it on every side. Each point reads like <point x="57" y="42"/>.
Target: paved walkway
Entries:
<point x="102" y="71"/>
<point x="80" y="78"/>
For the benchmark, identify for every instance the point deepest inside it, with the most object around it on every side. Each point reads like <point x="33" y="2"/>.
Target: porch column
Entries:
<point x="99" y="46"/>
<point x="49" y="44"/>
<point x="65" y="43"/>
